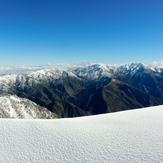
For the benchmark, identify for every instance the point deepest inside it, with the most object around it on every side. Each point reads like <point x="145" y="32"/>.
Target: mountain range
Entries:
<point x="71" y="91"/>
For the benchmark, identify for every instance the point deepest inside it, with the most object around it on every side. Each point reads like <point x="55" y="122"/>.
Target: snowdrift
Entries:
<point x="128" y="136"/>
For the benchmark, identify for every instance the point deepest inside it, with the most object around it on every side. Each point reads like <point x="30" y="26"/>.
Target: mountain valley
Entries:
<point x="88" y="90"/>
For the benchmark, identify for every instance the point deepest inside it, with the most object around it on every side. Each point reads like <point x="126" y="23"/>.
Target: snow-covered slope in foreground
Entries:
<point x="128" y="136"/>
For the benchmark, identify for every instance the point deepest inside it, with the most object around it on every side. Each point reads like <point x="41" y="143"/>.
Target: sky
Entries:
<point x="36" y="32"/>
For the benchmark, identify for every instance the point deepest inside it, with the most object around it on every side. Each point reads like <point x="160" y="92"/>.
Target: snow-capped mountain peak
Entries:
<point x="131" y="68"/>
<point x="90" y="72"/>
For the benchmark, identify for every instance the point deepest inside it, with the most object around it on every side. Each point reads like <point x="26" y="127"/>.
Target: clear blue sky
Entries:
<point x="34" y="32"/>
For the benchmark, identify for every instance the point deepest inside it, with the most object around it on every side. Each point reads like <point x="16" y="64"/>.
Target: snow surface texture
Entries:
<point x="16" y="107"/>
<point x="128" y="136"/>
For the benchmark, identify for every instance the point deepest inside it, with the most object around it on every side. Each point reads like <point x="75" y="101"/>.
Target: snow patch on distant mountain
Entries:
<point x="97" y="71"/>
<point x="8" y="82"/>
<point x="50" y="73"/>
<point x="15" y="107"/>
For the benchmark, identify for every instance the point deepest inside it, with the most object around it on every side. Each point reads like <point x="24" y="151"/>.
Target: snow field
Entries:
<point x="128" y="136"/>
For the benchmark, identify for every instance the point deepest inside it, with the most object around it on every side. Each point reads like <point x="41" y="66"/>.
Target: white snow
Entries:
<point x="15" y="98"/>
<point x="128" y="136"/>
<point x="12" y="106"/>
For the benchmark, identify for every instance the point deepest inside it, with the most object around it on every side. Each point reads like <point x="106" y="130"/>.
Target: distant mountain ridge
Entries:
<point x="84" y="90"/>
